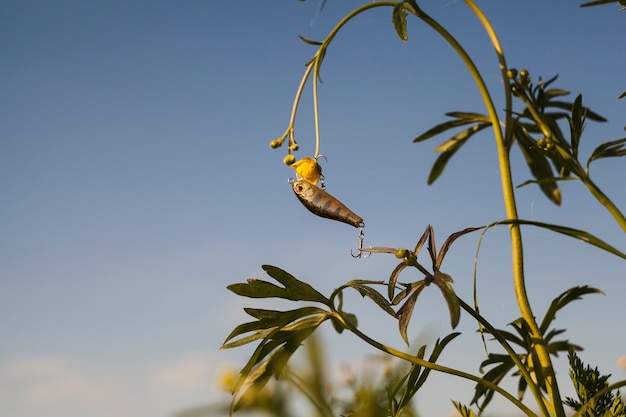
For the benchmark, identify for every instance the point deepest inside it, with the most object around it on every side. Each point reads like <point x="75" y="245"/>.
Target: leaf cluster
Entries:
<point x="502" y="364"/>
<point x="536" y="129"/>
<point x="280" y="333"/>
<point x="592" y="388"/>
<point x="409" y="292"/>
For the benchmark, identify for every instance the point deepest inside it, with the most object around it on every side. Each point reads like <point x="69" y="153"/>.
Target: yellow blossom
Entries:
<point x="227" y="379"/>
<point x="307" y="169"/>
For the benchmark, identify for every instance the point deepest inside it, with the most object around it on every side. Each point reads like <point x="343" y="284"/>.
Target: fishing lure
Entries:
<point x="319" y="202"/>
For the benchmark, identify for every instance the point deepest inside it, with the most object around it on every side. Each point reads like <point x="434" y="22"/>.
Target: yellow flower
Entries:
<point x="227" y="379"/>
<point x="307" y="169"/>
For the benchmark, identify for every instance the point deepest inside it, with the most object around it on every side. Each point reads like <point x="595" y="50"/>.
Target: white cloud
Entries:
<point x="45" y="380"/>
<point x="59" y="386"/>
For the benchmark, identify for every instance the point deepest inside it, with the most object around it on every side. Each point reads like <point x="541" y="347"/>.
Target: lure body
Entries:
<point x="319" y="202"/>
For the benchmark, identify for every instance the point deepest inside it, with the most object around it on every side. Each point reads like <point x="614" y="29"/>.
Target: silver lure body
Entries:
<point x="322" y="204"/>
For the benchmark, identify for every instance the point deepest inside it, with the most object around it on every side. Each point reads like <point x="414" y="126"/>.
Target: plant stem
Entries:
<point x="509" y="201"/>
<point x="515" y="230"/>
<point x="605" y="201"/>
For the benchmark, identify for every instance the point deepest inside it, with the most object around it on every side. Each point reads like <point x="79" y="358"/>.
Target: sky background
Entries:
<point x="137" y="183"/>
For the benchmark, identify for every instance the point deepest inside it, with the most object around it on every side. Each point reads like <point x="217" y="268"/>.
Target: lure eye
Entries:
<point x="299" y="188"/>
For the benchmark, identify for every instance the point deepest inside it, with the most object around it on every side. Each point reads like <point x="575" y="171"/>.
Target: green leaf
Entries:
<point x="406" y="311"/>
<point x="564" y="299"/>
<point x="450" y="147"/>
<point x="398" y="17"/>
<point x="269" y="319"/>
<point x="374" y="295"/>
<point x="568" y="106"/>
<point x="442" y="281"/>
<point x="538" y="164"/>
<point x="567" y="231"/>
<point x="299" y="290"/>
<point x="494" y="375"/>
<point x="461" y="119"/>
<point x="576" y="124"/>
<point x="607" y="150"/>
<point x="393" y="278"/>
<point x="464" y="411"/>
<point x="600" y="2"/>
<point x="348" y="317"/>
<point x="256" y="374"/>
<point x="310" y="41"/>
<point x="450" y="240"/>
<point x="555" y="92"/>
<point x="293" y="289"/>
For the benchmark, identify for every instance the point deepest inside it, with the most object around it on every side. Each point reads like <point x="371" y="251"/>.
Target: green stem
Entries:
<point x="321" y="52"/>
<point x="322" y="406"/>
<point x="515" y="230"/>
<point x="605" y="201"/>
<point x="509" y="202"/>
<point x="435" y="367"/>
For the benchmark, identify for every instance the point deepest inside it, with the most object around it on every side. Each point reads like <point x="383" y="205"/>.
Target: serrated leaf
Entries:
<point x="295" y="290"/>
<point x="398" y="17"/>
<point x="564" y="299"/>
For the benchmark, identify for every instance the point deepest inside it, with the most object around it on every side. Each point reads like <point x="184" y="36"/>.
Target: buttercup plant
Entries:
<point x="551" y="156"/>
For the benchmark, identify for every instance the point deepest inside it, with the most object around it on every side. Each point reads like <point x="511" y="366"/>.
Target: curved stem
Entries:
<point x="321" y="52"/>
<point x="515" y="230"/>
<point x="322" y="407"/>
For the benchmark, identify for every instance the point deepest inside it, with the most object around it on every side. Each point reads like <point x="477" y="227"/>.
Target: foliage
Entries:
<point x="547" y="130"/>
<point x="594" y="395"/>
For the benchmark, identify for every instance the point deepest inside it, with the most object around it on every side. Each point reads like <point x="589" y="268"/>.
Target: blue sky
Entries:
<point x="137" y="183"/>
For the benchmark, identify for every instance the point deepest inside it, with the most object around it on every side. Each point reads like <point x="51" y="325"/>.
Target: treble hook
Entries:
<point x="361" y="238"/>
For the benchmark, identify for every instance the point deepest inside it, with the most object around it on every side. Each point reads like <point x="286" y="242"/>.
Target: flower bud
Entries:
<point x="512" y="73"/>
<point x="524" y="77"/>
<point x="289" y="159"/>
<point x="275" y="143"/>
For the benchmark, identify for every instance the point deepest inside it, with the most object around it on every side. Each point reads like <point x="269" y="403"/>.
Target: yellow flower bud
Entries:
<point x="289" y="159"/>
<point x="308" y="169"/>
